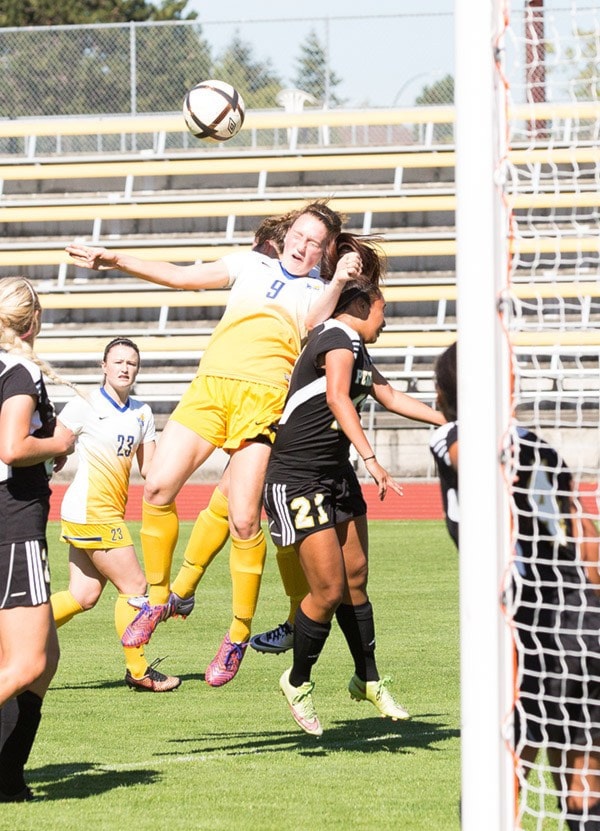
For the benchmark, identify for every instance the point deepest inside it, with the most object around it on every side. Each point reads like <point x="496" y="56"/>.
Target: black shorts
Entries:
<point x="558" y="661"/>
<point x="24" y="574"/>
<point x="296" y="511"/>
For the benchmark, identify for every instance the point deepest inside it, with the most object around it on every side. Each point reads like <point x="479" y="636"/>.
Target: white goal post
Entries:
<point x="482" y="406"/>
<point x="527" y="97"/>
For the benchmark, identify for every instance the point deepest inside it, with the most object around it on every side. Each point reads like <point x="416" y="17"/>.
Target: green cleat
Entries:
<point x="378" y="694"/>
<point x="301" y="704"/>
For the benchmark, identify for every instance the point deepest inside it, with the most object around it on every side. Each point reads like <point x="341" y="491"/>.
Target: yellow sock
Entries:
<point x="134" y="656"/>
<point x="292" y="577"/>
<point x="246" y="563"/>
<point x="64" y="607"/>
<point x="160" y="529"/>
<point x="209" y="535"/>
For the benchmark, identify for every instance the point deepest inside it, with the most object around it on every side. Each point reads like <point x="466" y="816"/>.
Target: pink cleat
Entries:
<point x="224" y="666"/>
<point x="145" y="622"/>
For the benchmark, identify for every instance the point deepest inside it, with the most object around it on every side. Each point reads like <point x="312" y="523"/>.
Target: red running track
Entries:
<point x="421" y="500"/>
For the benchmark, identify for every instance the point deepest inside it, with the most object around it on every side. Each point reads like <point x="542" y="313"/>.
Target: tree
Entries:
<point x="440" y="92"/>
<point x="81" y="71"/>
<point x="256" y="81"/>
<point x="19" y="13"/>
<point x="313" y="73"/>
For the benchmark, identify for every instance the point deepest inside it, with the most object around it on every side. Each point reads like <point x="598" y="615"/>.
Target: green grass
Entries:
<point x="232" y="758"/>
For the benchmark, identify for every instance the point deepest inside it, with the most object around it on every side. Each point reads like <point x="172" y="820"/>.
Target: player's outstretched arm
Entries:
<point x="402" y="404"/>
<point x="198" y="276"/>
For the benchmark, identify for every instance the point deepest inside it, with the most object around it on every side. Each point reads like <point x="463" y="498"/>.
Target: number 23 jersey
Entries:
<point x="108" y="437"/>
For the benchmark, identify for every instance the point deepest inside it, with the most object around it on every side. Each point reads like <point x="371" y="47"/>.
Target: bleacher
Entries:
<point x="188" y="204"/>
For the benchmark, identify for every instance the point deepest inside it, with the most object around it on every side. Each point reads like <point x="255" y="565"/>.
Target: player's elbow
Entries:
<point x="10" y="452"/>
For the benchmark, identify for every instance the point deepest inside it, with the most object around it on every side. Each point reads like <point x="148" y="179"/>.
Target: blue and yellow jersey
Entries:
<point x="108" y="437"/>
<point x="260" y="334"/>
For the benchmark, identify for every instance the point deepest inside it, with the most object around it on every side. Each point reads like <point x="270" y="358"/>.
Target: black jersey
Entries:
<point x="24" y="491"/>
<point x="441" y="441"/>
<point x="545" y="557"/>
<point x="309" y="443"/>
<point x="545" y="564"/>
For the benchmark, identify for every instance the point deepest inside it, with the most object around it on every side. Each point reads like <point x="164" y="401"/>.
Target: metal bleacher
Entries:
<point x="190" y="204"/>
<point x="196" y="204"/>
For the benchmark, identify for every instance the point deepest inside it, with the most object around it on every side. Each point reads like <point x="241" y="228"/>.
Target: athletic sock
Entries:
<point x="9" y="715"/>
<point x="135" y="660"/>
<point x="358" y="627"/>
<point x="209" y="535"/>
<point x="309" y="640"/>
<point x="160" y="529"/>
<point x="246" y="564"/>
<point x="292" y="577"/>
<point x="17" y="744"/>
<point x="64" y="607"/>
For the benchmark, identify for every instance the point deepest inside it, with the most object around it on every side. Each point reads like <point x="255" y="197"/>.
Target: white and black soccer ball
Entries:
<point x="214" y="110"/>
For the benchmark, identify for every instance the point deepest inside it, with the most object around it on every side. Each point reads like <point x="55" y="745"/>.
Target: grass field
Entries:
<point x="232" y="758"/>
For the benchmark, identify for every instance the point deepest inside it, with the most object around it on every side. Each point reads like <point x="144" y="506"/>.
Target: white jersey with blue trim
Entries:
<point x="260" y="334"/>
<point x="108" y="437"/>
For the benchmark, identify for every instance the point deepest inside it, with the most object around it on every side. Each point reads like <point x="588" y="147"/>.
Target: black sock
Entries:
<point x="16" y="746"/>
<point x="358" y="626"/>
<point x="9" y="715"/>
<point x="309" y="640"/>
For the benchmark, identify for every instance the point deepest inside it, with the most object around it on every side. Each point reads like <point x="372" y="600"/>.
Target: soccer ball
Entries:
<point x="213" y="110"/>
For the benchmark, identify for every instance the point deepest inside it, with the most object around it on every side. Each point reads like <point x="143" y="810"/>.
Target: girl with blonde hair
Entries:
<point x="30" y="448"/>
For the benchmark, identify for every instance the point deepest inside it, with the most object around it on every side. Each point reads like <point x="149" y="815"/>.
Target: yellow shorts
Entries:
<point x="103" y="536"/>
<point x="227" y="412"/>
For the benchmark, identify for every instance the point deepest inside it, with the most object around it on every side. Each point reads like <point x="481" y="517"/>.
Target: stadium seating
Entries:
<point x="166" y="201"/>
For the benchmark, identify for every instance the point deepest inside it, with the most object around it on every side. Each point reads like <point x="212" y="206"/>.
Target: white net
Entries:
<point x="551" y="312"/>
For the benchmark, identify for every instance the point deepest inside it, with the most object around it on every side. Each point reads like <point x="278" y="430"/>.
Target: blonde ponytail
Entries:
<point x="20" y="312"/>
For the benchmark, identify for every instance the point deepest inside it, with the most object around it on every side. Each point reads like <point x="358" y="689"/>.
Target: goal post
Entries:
<point x="527" y="98"/>
<point x="481" y="230"/>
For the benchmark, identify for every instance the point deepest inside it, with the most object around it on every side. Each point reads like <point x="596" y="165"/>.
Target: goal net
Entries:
<point x="537" y="248"/>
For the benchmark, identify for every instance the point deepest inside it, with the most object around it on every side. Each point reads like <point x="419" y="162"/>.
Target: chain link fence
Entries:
<point x="140" y="68"/>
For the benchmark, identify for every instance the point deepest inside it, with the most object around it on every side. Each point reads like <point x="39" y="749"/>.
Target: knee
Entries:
<point x="152" y="489"/>
<point x="25" y="673"/>
<point x="244" y="525"/>
<point x="358" y="578"/>
<point x="329" y="598"/>
<point x="88" y="598"/>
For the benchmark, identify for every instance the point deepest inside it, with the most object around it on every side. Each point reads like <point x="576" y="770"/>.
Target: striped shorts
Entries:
<point x="24" y="574"/>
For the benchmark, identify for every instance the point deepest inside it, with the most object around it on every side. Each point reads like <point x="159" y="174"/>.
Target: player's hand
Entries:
<point x="59" y="463"/>
<point x="348" y="268"/>
<point x="382" y="478"/>
<point x="66" y="438"/>
<point x="85" y="256"/>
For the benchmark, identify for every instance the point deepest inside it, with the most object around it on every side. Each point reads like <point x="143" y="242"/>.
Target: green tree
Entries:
<point x="20" y="13"/>
<point x="256" y="81"/>
<point x="313" y="73"/>
<point x="582" y="66"/>
<point x="87" y="70"/>
<point x="440" y="92"/>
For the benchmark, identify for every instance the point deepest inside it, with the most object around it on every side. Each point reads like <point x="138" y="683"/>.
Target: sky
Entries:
<point x="384" y="52"/>
<point x="397" y="63"/>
